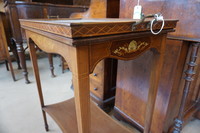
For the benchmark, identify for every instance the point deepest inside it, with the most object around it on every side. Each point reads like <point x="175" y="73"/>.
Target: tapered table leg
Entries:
<point x="37" y="77"/>
<point x="80" y="73"/>
<point x="154" y="81"/>
<point x="178" y="123"/>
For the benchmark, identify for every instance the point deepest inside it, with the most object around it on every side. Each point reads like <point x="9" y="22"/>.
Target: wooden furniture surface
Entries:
<point x="63" y="2"/>
<point x="4" y="53"/>
<point x="172" y="84"/>
<point x="103" y="78"/>
<point x="25" y="10"/>
<point x="83" y="50"/>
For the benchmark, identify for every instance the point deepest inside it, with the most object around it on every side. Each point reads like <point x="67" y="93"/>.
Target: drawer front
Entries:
<point x="97" y="88"/>
<point x="98" y="73"/>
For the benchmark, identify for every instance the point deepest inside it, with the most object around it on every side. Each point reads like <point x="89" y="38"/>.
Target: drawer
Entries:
<point x="98" y="73"/>
<point x="97" y="88"/>
<point x="100" y="65"/>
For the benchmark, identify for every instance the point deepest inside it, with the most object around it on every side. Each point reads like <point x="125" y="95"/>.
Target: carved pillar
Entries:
<point x="21" y="54"/>
<point x="188" y="79"/>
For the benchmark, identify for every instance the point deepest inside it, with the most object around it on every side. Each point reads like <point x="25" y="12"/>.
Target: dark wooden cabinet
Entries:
<point x="28" y="10"/>
<point x="25" y="10"/>
<point x="178" y="95"/>
<point x="134" y="91"/>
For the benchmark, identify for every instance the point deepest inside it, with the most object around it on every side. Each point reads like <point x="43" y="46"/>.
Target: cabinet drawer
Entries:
<point x="97" y="88"/>
<point x="98" y="73"/>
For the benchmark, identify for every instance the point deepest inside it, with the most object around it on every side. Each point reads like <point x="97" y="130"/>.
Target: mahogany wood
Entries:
<point x="188" y="79"/>
<point x="83" y="54"/>
<point x="4" y="53"/>
<point x="168" y="98"/>
<point x="22" y="10"/>
<point x="175" y="63"/>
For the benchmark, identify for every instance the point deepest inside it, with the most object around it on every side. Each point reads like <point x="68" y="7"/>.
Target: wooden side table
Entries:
<point x="83" y="43"/>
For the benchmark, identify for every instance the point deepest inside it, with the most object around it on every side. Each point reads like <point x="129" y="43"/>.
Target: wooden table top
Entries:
<point x="76" y="28"/>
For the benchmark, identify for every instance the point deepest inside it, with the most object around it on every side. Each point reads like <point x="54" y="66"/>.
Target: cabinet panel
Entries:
<point x="169" y="93"/>
<point x="3" y="54"/>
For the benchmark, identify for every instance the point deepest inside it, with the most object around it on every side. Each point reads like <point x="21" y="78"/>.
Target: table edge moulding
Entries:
<point x="82" y="51"/>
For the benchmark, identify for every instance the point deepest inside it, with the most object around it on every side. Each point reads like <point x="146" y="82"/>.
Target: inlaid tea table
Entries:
<point x="83" y="43"/>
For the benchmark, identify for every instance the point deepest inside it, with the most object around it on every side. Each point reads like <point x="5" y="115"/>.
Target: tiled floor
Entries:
<point x="19" y="103"/>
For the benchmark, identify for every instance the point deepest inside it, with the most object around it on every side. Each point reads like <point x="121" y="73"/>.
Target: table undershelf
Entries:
<point x="64" y="114"/>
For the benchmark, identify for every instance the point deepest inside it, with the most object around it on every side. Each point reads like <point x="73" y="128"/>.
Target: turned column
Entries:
<point x="14" y="51"/>
<point x="178" y="123"/>
<point x="21" y="54"/>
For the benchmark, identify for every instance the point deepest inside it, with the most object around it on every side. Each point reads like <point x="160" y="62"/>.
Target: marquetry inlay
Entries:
<point x="129" y="48"/>
<point x="132" y="47"/>
<point x="74" y="29"/>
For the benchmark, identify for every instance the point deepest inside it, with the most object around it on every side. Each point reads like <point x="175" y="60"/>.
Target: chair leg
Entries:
<point x="11" y="69"/>
<point x="6" y="62"/>
<point x="50" y="57"/>
<point x="62" y="64"/>
<point x="13" y="48"/>
<point x="21" y="54"/>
